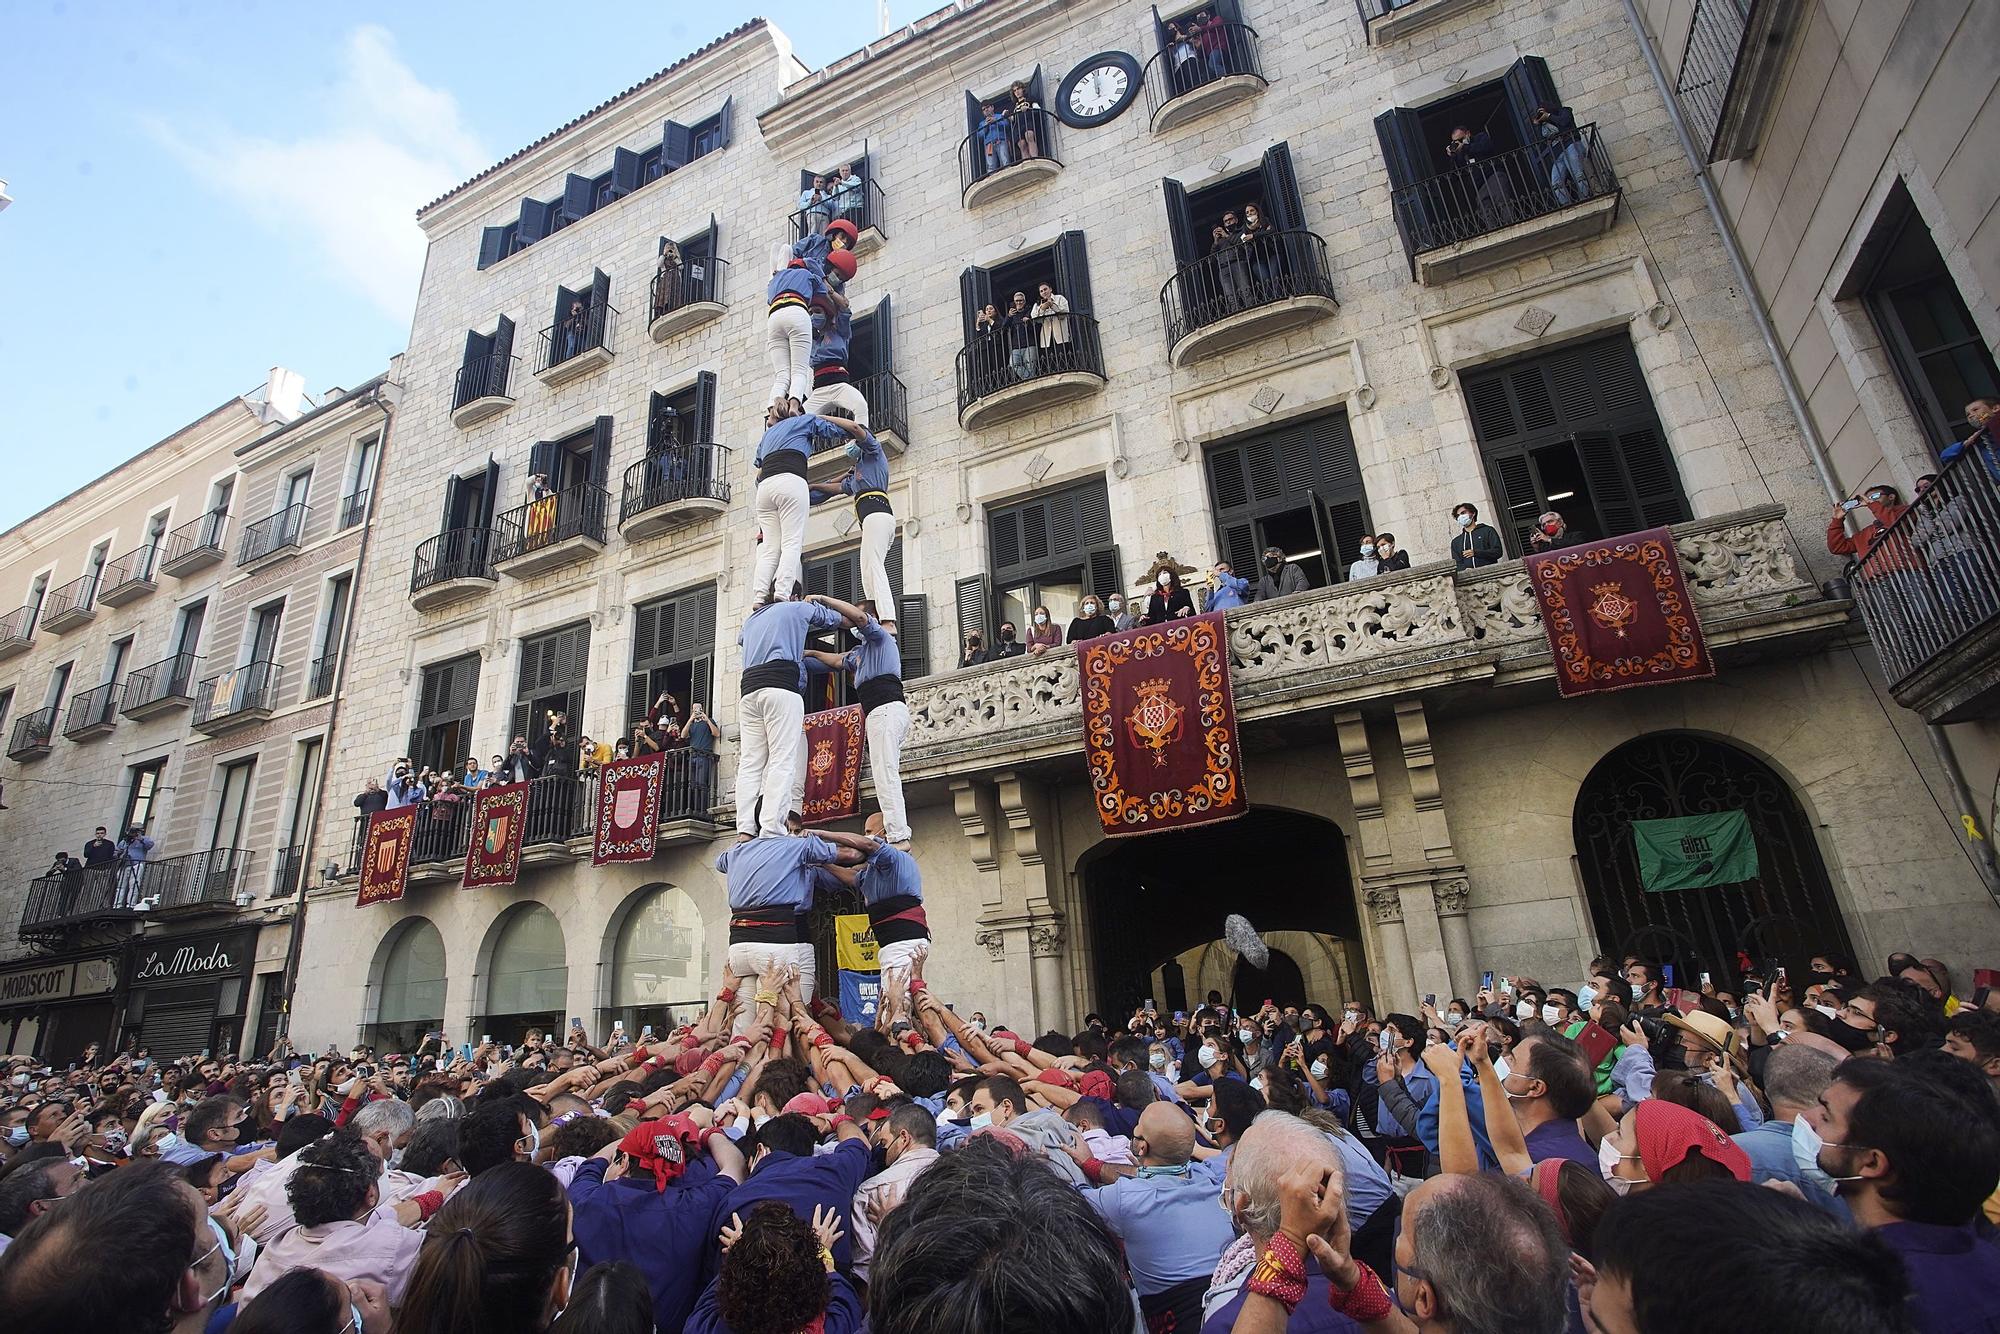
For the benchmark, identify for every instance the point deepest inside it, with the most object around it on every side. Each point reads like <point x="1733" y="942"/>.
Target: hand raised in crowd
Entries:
<point x="1762" y="1012"/>
<point x="1441" y="1059"/>
<point x="826" y="1226"/>
<point x="731" y="1230"/>
<point x="1312" y="1211"/>
<point x="1475" y="1042"/>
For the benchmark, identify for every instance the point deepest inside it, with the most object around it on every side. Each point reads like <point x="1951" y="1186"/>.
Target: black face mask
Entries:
<point x="1273" y="564"/>
<point x="1006" y="636"/>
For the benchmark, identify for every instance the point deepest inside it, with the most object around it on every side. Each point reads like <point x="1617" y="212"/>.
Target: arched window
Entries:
<point x="659" y="964"/>
<point x="410" y="995"/>
<point x="527" y="976"/>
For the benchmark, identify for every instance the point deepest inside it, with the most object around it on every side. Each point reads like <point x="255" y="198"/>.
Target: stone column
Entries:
<point x="1047" y="943"/>
<point x="1451" y="897"/>
<point x="1397" y="988"/>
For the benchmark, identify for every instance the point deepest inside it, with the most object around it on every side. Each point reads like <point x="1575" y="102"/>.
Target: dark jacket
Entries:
<point x="1399" y="561"/>
<point x="1167" y="606"/>
<point x="370" y="802"/>
<point x="666" y="1235"/>
<point x="1006" y="648"/>
<point x="828" y="1179"/>
<point x="1476" y="546"/>
<point x="102" y="852"/>
<point x="1099" y="624"/>
<point x="1290" y="579"/>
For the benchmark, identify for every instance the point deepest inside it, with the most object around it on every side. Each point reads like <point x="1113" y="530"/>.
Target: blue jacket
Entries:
<point x="828" y="1179"/>
<point x="843" y="1310"/>
<point x="993" y="131"/>
<point x="1980" y="440"/>
<point x="830" y="338"/>
<point x="805" y="279"/>
<point x="1475" y="1108"/>
<point x="1229" y="593"/>
<point x="665" y="1234"/>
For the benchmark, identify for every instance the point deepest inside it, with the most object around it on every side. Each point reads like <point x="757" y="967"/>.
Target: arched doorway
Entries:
<point x="527" y="976"/>
<point x="1157" y="904"/>
<point x="659" y="963"/>
<point x="1786" y="913"/>
<point x="409" y="986"/>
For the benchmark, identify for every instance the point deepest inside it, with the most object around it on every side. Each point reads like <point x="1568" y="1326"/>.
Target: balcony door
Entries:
<point x="264" y="626"/>
<point x="574" y="460"/>
<point x="232" y="807"/>
<point x="673" y="652"/>
<point x="1297" y="488"/>
<point x="443" y="736"/>
<point x="297" y="488"/>
<point x="1049" y="550"/>
<point x="554" y="668"/>
<point x="187" y="635"/>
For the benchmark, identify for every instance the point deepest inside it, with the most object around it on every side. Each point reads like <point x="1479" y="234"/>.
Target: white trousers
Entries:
<point x="788" y="338"/>
<point x="838" y="396"/>
<point x="781" y="504"/>
<point x="900" y="962"/>
<point x="772" y="723"/>
<point x="878" y="534"/>
<point x="887" y="725"/>
<point x="748" y="962"/>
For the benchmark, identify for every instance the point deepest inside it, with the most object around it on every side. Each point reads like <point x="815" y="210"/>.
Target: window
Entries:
<point x="1297" y="487"/>
<point x="553" y="670"/>
<point x="156" y="537"/>
<point x="115" y="660"/>
<point x="684" y="417"/>
<point x="360" y="480"/>
<point x="37" y="590"/>
<point x="187" y="630"/>
<point x="658" y="964"/>
<point x="1574" y="431"/>
<point x="852" y="201"/>
<point x="673" y="652"/>
<point x="574" y="460"/>
<point x="333" y="620"/>
<point x="1048" y="551"/>
<point x="6" y="706"/>
<point x="1193" y="215"/>
<point x="1064" y="266"/>
<point x="232" y="806"/>
<point x="1002" y="99"/>
<point x="528" y="975"/>
<point x="265" y="623"/>
<point x="443" y="736"/>
<point x="59" y="686"/>
<point x="1937" y="350"/>
<point x="220" y="494"/>
<point x="580" y="322"/>
<point x="93" y="565"/>
<point x="290" y="867"/>
<point x="468" y="501"/>
<point x="698" y="277"/>
<point x="839" y="575"/>
<point x="142" y="795"/>
<point x="298" y="487"/>
<point x="995" y="361"/>
<point x="410" y="1001"/>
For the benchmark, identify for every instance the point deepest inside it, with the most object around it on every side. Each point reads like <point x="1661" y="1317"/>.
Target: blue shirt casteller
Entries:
<point x="773" y="871"/>
<point x="804" y="434"/>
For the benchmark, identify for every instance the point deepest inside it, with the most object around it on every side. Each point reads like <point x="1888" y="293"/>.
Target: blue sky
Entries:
<point x="205" y="190"/>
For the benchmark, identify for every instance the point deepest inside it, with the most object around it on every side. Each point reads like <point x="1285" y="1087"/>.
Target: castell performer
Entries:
<point x="773" y="706"/>
<point x="770" y="888"/>
<point x="876" y="663"/>
<point x="892" y="887"/>
<point x="868" y="483"/>
<point x="782" y="497"/>
<point x="797" y="283"/>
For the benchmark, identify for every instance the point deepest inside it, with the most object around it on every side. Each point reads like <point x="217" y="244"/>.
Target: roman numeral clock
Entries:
<point x="1098" y="90"/>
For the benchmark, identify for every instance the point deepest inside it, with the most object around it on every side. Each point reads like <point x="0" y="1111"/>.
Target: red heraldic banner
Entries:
<point x="1618" y="614"/>
<point x="628" y="809"/>
<point x="386" y="859"/>
<point x="493" y="852"/>
<point x="832" y="757"/>
<point x="1159" y="727"/>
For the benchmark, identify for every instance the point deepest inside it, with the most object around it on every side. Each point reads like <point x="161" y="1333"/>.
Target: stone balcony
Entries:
<point x="1424" y="630"/>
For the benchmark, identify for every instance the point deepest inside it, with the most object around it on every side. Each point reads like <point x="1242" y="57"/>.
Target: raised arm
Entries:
<point x="1503" y="1132"/>
<point x="1457" y="1153"/>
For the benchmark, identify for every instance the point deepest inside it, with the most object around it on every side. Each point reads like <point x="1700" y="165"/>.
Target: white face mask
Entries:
<point x="1257" y="1082"/>
<point x="1524" y="1009"/>
<point x="1041" y="619"/>
<point x="1207" y="1055"/>
<point x="1089" y="610"/>
<point x="1586" y="997"/>
<point x="1158" y="1060"/>
<point x="980" y="1121"/>
<point x="1246" y="1035"/>
<point x="1608" y="1159"/>
<point x="1501" y="1068"/>
<point x="1464" y="520"/>
<point x="1165" y="579"/>
<point x="1453" y="1019"/>
<point x="1350" y="1016"/>
<point x="1116" y="606"/>
<point x="1367" y="549"/>
<point x="1319" y="1069"/>
<point x="1552" y="1015"/>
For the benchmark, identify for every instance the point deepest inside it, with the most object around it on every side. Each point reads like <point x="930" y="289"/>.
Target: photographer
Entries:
<point x="1561" y="153"/>
<point x="403" y="789"/>
<point x="1468" y="152"/>
<point x="975" y="654"/>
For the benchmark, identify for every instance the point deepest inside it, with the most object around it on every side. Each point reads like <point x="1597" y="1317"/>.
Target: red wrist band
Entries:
<point x="838" y="1119"/>
<point x="1094" y="1169"/>
<point x="429" y="1203"/>
<point x="821" y="1041"/>
<point x="713" y="1064"/>
<point x="1364" y="1302"/>
<point x="1280" y="1272"/>
<point x="727" y="995"/>
<point x="916" y="984"/>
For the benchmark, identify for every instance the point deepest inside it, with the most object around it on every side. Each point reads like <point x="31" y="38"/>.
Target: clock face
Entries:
<point x="1098" y="89"/>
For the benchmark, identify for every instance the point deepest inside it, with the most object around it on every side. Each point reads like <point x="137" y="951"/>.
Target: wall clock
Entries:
<point x="1098" y="90"/>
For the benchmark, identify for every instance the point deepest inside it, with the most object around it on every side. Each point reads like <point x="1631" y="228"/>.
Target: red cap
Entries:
<point x="1668" y="1132"/>
<point x="842" y="263"/>
<point x="810" y="1104"/>
<point x="661" y="1147"/>
<point x="1061" y="1079"/>
<point x="842" y="227"/>
<point x="1095" y="1084"/>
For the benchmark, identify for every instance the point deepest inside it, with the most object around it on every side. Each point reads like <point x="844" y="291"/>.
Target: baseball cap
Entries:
<point x="1668" y="1132"/>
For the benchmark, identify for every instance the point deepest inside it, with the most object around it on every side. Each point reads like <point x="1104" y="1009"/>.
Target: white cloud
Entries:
<point x="384" y="144"/>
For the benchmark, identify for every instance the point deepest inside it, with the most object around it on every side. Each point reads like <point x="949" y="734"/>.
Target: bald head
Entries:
<point x="1168" y="1135"/>
<point x="1275" y="1144"/>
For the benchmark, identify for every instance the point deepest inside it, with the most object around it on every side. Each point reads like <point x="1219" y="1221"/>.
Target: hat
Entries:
<point x="1668" y="1132"/>
<point x="1095" y="1084"/>
<point x="1717" y="1033"/>
<point x="808" y="1104"/>
<point x="661" y="1147"/>
<point x="842" y="263"/>
<point x="847" y="229"/>
<point x="1061" y="1079"/>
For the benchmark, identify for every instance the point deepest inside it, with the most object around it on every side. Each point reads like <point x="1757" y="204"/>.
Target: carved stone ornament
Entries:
<point x="1386" y="903"/>
<point x="1266" y="400"/>
<point x="1659" y="314"/>
<point x="1440" y="377"/>
<point x="1535" y="321"/>
<point x="1451" y="896"/>
<point x="1045" y="940"/>
<point x="994" y="940"/>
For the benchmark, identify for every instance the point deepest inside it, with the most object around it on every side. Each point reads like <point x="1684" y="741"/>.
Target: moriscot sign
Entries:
<point x="57" y="981"/>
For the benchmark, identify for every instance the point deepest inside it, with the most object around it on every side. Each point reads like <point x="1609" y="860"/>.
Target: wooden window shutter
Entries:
<point x="723" y="120"/>
<point x="576" y="196"/>
<point x="1180" y="225"/>
<point x="971" y="117"/>
<point x="477" y="347"/>
<point x="1408" y="159"/>
<point x="600" y="450"/>
<point x="1528" y="85"/>
<point x="490" y="505"/>
<point x="492" y="246"/>
<point x="913" y="635"/>
<point x="452" y="486"/>
<point x="517" y="725"/>
<point x="1347" y="520"/>
<point x="1073" y="272"/>
<point x="1281" y="188"/>
<point x="882" y="326"/>
<point x="542" y="460"/>
<point x="1102" y="574"/>
<point x="637" y="701"/>
<point x="1656" y="482"/>
<point x="975" y="610"/>
<point x="600" y="294"/>
<point x="502" y="347"/>
<point x="1239" y="547"/>
<point x="676" y="146"/>
<point x="535" y="219"/>
<point x="1515" y="494"/>
<point x="1617" y="507"/>
<point x="624" y="172"/>
<point x="975" y="292"/>
<point x="703" y="426"/>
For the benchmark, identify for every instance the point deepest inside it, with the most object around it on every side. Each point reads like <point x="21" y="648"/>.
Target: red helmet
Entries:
<point x="842" y="227"/>
<point x="842" y="263"/>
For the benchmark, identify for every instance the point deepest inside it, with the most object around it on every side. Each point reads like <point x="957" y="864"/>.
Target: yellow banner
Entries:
<point x="541" y="518"/>
<point x="854" y="944"/>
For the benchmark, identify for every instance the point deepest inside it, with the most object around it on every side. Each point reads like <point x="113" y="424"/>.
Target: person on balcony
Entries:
<point x="700" y="734"/>
<point x="1182" y="57"/>
<point x="1025" y="116"/>
<point x="1561" y="153"/>
<point x="1051" y="315"/>
<point x="1261" y="248"/>
<point x="575" y="331"/>
<point x="472" y="778"/>
<point x="782" y="497"/>
<point x="371" y="798"/>
<point x="1225" y="589"/>
<point x="1212" y="36"/>
<point x="849" y="196"/>
<point x="1551" y="533"/>
<point x="974" y="654"/>
<point x="1090" y="622"/>
<point x="1281" y="578"/>
<point x="1042" y="632"/>
<point x="1009" y="646"/>
<point x="1169" y="600"/>
<point x="1477" y="544"/>
<point x="100" y="853"/>
<point x="1388" y="556"/>
<point x="815" y="207"/>
<point x="1123" y="616"/>
<point x="521" y="764"/>
<point x="1946" y="532"/>
<point x="1881" y="557"/>
<point x="133" y="849"/>
<point x="667" y="279"/>
<point x="1018" y="329"/>
<point x="1365" y="565"/>
<point x="992" y="138"/>
<point x="1484" y="188"/>
<point x="1232" y="279"/>
<point x="1981" y="412"/>
<point x="772" y="717"/>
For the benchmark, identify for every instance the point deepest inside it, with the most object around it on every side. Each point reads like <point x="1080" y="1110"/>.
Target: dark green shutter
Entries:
<point x="1617" y="508"/>
<point x="1528" y="85"/>
<point x="600" y="450"/>
<point x="535" y="219"/>
<point x="1518" y="499"/>
<point x="638" y="691"/>
<point x="492" y="246"/>
<point x="703" y="425"/>
<point x="1347" y="520"/>
<point x="1180" y="224"/>
<point x="1073" y="272"/>
<point x="1656" y="483"/>
<point x="491" y="502"/>
<point x="676" y="146"/>
<point x="543" y="456"/>
<point x="1408" y="159"/>
<point x="1102" y="574"/>
<point x="723" y="120"/>
<point x="1281" y="189"/>
<point x="913" y="634"/>
<point x="501" y="349"/>
<point x="882" y="325"/>
<point x="624" y="172"/>
<point x="975" y="611"/>
<point x="578" y="191"/>
<point x="600" y="297"/>
<point x="1239" y="548"/>
<point x="975" y="293"/>
<point x="452" y="486"/>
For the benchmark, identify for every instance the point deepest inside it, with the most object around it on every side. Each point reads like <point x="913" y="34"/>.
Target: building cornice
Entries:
<point x="339" y="417"/>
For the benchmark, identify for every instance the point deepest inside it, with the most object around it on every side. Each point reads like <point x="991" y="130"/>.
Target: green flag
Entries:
<point x="1695" y="851"/>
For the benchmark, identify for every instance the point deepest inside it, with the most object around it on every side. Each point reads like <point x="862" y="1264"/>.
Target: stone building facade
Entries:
<point x="1424" y="807"/>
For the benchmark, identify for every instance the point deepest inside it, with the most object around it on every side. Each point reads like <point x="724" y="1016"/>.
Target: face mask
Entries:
<point x="1006" y="636"/>
<point x="1385" y="1042"/>
<point x="1319" y="1069"/>
<point x="1552" y="1015"/>
<point x="534" y="1140"/>
<point x="113" y="1138"/>
<point x="1246" y="1035"/>
<point x="395" y="1159"/>
<point x="1513" y="1096"/>
<point x="1453" y="1019"/>
<point x="17" y="1136"/>
<point x="1586" y="998"/>
<point x="1158" y="1060"/>
<point x="1041" y="619"/>
<point x="1089" y="610"/>
<point x="1207" y="1055"/>
<point x="1524" y="1009"/>
<point x="1349" y="1016"/>
<point x="1608" y="1159"/>
<point x="1501" y="1068"/>
<point x="1828" y="1011"/>
<point x="1165" y="579"/>
<point x="980" y="1122"/>
<point x="1117" y="607"/>
<point x="1552" y="528"/>
<point x="1367" y="548"/>
<point x="165" y="1143"/>
<point x="228" y="1257"/>
<point x="1806" y="1146"/>
<point x="1257" y="1082"/>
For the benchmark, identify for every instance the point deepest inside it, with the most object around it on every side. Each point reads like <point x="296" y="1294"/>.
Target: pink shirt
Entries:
<point x="378" y="1248"/>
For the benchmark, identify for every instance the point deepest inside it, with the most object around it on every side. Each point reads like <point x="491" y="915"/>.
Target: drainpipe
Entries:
<point x="297" y="937"/>
<point x="1983" y="859"/>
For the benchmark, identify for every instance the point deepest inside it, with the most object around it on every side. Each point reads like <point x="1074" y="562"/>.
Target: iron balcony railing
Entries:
<point x="1201" y="55"/>
<point x="484" y="377"/>
<point x="1931" y="580"/>
<point x="860" y="204"/>
<point x="209" y="878"/>
<point x="31" y="734"/>
<point x="134" y="567"/>
<point x="697" y="278"/>
<point x="251" y="686"/>
<point x="74" y="596"/>
<point x="1239" y="276"/>
<point x="888" y="404"/>
<point x="353" y="508"/>
<point x="572" y="336"/>
<point x="17" y="627"/>
<point x="1018" y="136"/>
<point x="462" y="553"/>
<point x="169" y="678"/>
<point x="1547" y="176"/>
<point x="96" y="707"/>
<point x="1708" y="68"/>
<point x="678" y="472"/>
<point x="319" y="676"/>
<point x="288" y="871"/>
<point x="1375" y="9"/>
<point x="1057" y="345"/>
<point x="82" y="895"/>
<point x="197" y="536"/>
<point x="574" y="511"/>
<point x="267" y="536"/>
